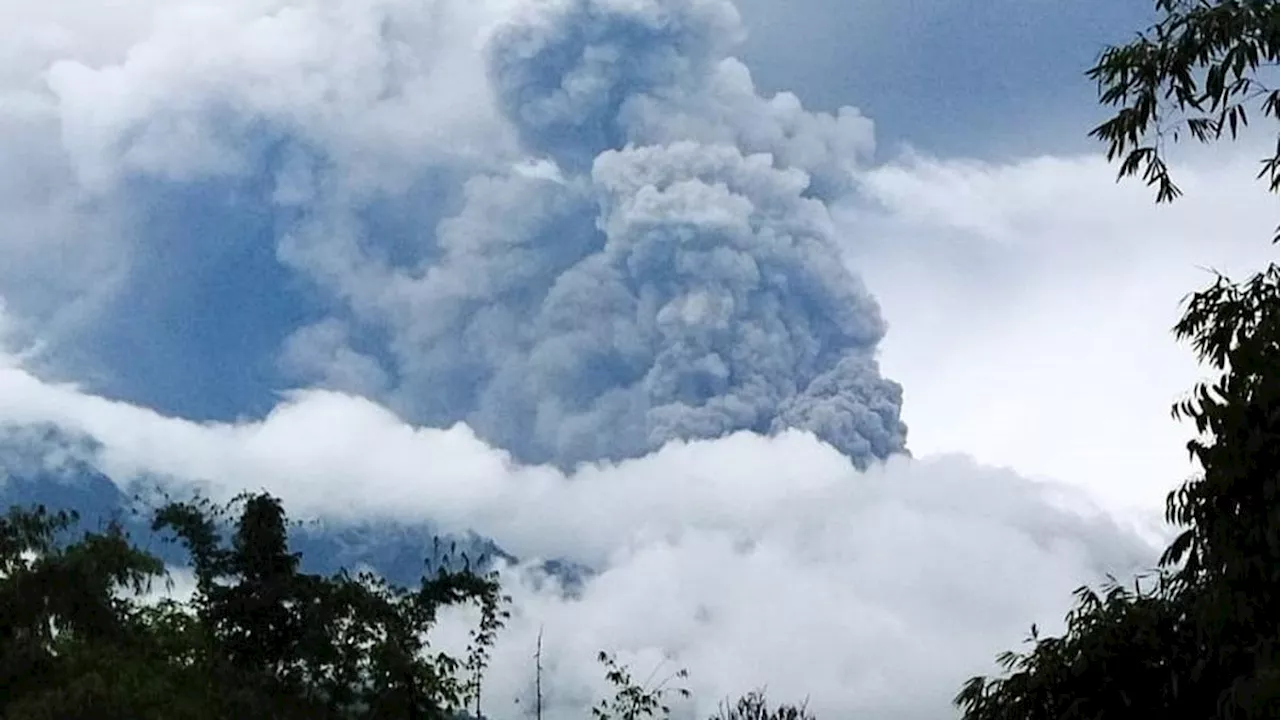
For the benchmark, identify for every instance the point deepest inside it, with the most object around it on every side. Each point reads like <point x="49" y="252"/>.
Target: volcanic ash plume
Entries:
<point x="575" y="225"/>
<point x="668" y="272"/>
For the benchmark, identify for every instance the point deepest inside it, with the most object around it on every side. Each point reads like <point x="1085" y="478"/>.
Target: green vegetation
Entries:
<point x="257" y="638"/>
<point x="1201" y="636"/>
<point x="1194" y="73"/>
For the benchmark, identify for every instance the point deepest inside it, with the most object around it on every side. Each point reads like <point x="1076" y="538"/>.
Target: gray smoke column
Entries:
<point x="581" y="230"/>
<point x="669" y="271"/>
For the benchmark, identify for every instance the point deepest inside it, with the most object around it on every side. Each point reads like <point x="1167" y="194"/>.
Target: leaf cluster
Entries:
<point x="755" y="706"/>
<point x="258" y="638"/>
<point x="1195" y="73"/>
<point x="633" y="700"/>
<point x="1202" y="637"/>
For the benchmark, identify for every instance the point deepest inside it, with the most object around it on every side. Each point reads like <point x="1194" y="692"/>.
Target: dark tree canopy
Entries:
<point x="1200" y="637"/>
<point x="258" y="638"/>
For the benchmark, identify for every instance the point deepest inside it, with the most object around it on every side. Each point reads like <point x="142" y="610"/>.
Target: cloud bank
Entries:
<point x="1032" y="302"/>
<point x="749" y="559"/>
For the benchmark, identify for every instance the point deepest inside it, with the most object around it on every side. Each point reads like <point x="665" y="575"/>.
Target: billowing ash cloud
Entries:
<point x="670" y="273"/>
<point x="708" y="296"/>
<point x="574" y="225"/>
<point x="584" y="76"/>
<point x="714" y="301"/>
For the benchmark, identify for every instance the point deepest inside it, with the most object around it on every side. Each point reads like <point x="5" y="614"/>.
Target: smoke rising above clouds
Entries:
<point x="542" y="233"/>
<point x="575" y="226"/>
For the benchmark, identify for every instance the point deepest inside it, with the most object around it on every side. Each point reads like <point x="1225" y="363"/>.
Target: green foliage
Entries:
<point x="1125" y="652"/>
<point x="1197" y="73"/>
<point x="257" y="639"/>
<point x="1201" y="638"/>
<point x="1230" y="512"/>
<point x="755" y="706"/>
<point x="632" y="700"/>
<point x="67" y="641"/>
<point x="492" y="617"/>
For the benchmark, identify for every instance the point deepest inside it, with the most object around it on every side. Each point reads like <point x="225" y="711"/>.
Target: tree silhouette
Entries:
<point x="1198" y="638"/>
<point x="257" y="639"/>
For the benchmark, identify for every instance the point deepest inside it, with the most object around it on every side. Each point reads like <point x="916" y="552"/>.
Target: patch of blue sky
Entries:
<point x="976" y="78"/>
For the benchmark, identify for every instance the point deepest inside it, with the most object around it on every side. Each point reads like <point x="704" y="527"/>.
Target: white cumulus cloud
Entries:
<point x="750" y="560"/>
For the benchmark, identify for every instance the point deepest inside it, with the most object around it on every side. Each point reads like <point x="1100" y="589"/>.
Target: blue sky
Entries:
<point x="198" y="336"/>
<point x="998" y="78"/>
